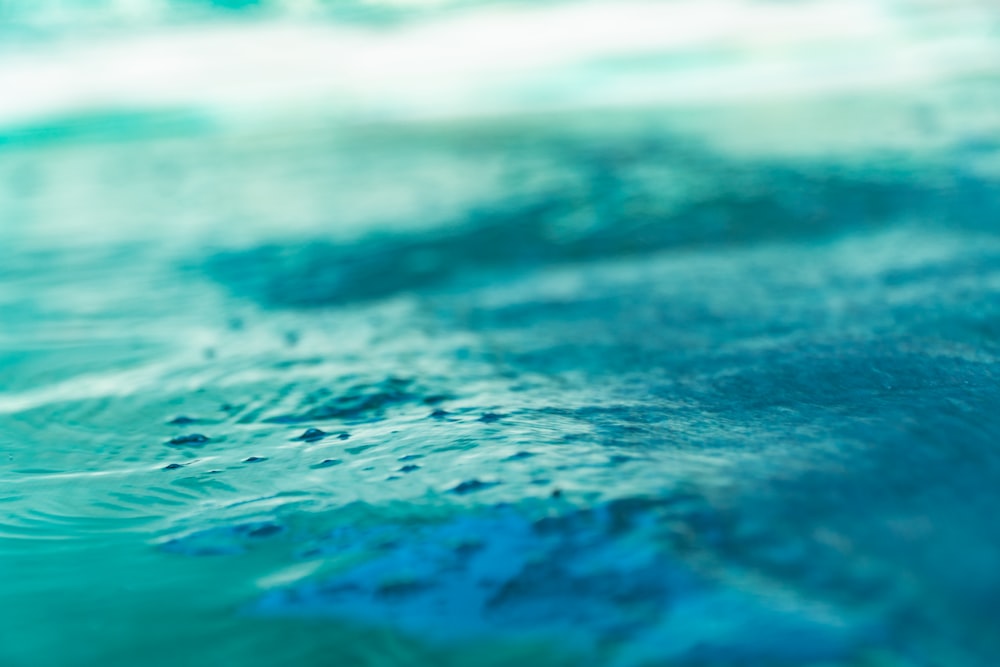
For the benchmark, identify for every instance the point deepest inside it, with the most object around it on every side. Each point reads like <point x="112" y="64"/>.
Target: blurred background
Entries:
<point x="400" y="332"/>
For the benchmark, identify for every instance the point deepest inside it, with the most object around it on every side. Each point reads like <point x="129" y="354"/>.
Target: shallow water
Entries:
<point x="691" y="382"/>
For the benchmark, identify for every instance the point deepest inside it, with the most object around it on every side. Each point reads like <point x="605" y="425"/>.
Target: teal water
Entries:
<point x="673" y="342"/>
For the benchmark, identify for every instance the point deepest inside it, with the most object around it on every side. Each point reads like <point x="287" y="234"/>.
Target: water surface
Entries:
<point x="668" y="347"/>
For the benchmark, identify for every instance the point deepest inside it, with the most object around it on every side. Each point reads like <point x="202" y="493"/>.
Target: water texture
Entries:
<point x="604" y="360"/>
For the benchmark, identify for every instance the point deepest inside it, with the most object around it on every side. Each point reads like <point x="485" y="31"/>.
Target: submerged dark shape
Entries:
<point x="621" y="200"/>
<point x="189" y="440"/>
<point x="223" y="540"/>
<point x="311" y="435"/>
<point x="183" y="420"/>
<point x="263" y="530"/>
<point x="472" y="485"/>
<point x="359" y="401"/>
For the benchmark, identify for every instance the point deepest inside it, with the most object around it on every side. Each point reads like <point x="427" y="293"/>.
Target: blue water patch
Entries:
<point x="608" y="577"/>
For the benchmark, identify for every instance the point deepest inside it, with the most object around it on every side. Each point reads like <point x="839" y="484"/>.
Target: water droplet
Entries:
<point x="190" y="440"/>
<point x="469" y="486"/>
<point x="312" y="434"/>
<point x="182" y="420"/>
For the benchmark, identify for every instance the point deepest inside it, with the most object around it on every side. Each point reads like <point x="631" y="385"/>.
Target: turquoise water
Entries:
<point x="650" y="342"/>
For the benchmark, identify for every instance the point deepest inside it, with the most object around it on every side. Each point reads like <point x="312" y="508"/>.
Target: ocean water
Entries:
<point x="469" y="333"/>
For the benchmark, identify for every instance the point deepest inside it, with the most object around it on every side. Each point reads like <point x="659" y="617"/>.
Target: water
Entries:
<point x="617" y="346"/>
